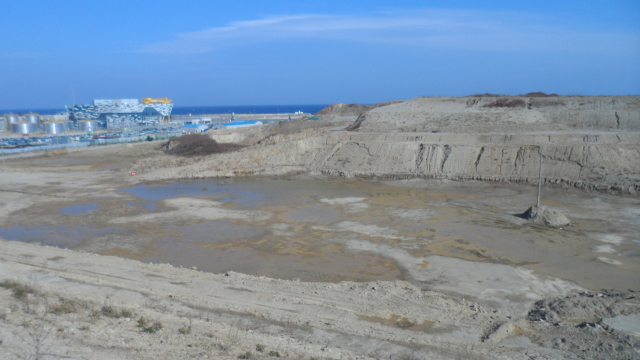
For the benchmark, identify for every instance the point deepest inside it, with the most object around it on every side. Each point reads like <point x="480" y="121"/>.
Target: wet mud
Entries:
<point x="345" y="230"/>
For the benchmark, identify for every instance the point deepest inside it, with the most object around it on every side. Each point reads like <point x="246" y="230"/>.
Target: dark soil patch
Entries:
<point x="357" y="123"/>
<point x="506" y="103"/>
<point x="294" y="127"/>
<point x="540" y="94"/>
<point x="197" y="145"/>
<point x="485" y="95"/>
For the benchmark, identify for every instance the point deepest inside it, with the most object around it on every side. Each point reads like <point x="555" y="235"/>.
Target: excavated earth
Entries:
<point x="585" y="142"/>
<point x="312" y="241"/>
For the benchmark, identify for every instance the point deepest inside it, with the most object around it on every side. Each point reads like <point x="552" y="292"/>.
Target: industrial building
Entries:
<point x="194" y="128"/>
<point x="123" y="113"/>
<point x="239" y="124"/>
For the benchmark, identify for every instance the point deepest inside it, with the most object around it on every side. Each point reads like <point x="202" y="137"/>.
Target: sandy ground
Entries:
<point x="436" y="297"/>
<point x="228" y="315"/>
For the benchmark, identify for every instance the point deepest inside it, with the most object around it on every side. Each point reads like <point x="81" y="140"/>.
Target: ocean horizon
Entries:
<point x="199" y="110"/>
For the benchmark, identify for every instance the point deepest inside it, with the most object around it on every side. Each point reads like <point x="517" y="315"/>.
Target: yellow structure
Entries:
<point x="162" y="100"/>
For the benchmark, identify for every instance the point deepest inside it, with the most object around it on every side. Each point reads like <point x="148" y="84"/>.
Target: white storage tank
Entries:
<point x="55" y="128"/>
<point x="10" y="119"/>
<point x="25" y="128"/>
<point x="88" y="125"/>
<point x="32" y="118"/>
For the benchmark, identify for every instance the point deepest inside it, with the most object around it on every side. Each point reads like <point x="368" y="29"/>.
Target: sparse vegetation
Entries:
<point x="184" y="331"/>
<point x="66" y="306"/>
<point x="247" y="355"/>
<point x="62" y="309"/>
<point x="151" y="329"/>
<point x="111" y="312"/>
<point x="20" y="291"/>
<point x="274" y="353"/>
<point x="260" y="347"/>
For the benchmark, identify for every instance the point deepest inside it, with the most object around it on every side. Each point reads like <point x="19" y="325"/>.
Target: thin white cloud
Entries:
<point x="457" y="29"/>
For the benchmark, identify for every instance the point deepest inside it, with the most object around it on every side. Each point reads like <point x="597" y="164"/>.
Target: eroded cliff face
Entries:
<point x="573" y="154"/>
<point x="602" y="162"/>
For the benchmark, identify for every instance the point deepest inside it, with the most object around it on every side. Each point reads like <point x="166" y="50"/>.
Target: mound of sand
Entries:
<point x="196" y="145"/>
<point x="543" y="215"/>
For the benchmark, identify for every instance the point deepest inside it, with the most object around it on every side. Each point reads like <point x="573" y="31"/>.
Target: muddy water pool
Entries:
<point x="427" y="232"/>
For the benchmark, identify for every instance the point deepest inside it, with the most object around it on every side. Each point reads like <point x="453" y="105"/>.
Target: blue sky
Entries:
<point x="296" y="52"/>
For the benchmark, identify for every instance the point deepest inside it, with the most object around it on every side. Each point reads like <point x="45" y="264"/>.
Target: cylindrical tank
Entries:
<point x="54" y="127"/>
<point x="11" y="118"/>
<point x="32" y="118"/>
<point x="68" y="125"/>
<point x="88" y="125"/>
<point x="24" y="128"/>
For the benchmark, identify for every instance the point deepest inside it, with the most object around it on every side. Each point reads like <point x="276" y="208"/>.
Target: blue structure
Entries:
<point x="238" y="124"/>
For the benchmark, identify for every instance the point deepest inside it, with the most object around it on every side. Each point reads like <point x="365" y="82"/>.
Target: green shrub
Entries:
<point x="151" y="329"/>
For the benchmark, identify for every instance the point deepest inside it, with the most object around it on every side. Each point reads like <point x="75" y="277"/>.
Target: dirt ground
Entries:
<point x="354" y="270"/>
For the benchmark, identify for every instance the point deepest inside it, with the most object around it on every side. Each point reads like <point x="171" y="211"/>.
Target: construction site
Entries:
<point x="397" y="230"/>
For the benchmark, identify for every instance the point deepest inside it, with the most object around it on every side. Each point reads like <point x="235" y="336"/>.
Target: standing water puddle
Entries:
<point x="354" y="230"/>
<point x="79" y="209"/>
<point x="60" y="236"/>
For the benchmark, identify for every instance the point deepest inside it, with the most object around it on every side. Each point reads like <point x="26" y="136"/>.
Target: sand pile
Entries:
<point x="197" y="145"/>
<point x="543" y="215"/>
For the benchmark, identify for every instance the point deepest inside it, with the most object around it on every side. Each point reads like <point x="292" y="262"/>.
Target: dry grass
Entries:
<point x="20" y="291"/>
<point x="66" y="306"/>
<point x="111" y="312"/>
<point x="197" y="145"/>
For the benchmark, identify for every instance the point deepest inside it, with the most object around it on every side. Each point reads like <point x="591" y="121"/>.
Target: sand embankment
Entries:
<point x="597" y="161"/>
<point x="586" y="142"/>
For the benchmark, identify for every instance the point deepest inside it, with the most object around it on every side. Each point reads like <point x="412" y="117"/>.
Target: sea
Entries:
<point x="199" y="110"/>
